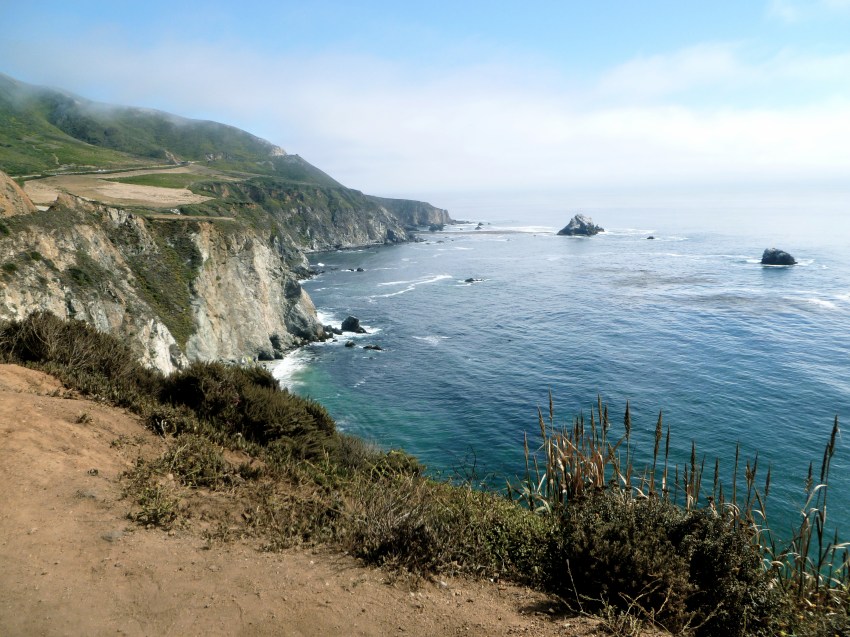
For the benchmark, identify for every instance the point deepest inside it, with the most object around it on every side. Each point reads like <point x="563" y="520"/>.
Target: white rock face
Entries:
<point x="246" y="300"/>
<point x="80" y="260"/>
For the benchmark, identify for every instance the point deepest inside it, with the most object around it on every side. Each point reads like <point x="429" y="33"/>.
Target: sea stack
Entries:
<point x="580" y="226"/>
<point x="772" y="256"/>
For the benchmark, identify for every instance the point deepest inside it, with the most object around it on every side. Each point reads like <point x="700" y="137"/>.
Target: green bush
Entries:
<point x="79" y="355"/>
<point x="613" y="550"/>
<point x="248" y="402"/>
<point x="423" y="526"/>
<point x="669" y="566"/>
<point x="157" y="507"/>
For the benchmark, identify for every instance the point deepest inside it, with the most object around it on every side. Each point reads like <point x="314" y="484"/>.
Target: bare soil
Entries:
<point x="71" y="563"/>
<point x="99" y="188"/>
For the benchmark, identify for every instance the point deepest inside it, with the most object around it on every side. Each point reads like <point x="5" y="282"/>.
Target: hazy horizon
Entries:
<point x="539" y="109"/>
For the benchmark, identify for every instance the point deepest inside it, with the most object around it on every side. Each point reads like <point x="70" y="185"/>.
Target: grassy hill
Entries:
<point x="44" y="130"/>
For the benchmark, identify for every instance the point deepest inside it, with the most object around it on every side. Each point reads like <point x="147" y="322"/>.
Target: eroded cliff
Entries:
<point x="178" y="289"/>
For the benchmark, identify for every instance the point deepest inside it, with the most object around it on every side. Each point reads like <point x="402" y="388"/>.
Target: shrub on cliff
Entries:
<point x="80" y="356"/>
<point x="249" y="402"/>
<point x="676" y="568"/>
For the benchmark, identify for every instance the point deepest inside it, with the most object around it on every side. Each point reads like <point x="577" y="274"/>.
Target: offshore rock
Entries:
<point x="772" y="256"/>
<point x="580" y="226"/>
<point x="352" y="324"/>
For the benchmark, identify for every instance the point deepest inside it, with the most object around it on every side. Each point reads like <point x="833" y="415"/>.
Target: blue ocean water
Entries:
<point x="689" y="323"/>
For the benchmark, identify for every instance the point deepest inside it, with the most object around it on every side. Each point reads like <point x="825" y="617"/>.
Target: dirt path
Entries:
<point x="72" y="564"/>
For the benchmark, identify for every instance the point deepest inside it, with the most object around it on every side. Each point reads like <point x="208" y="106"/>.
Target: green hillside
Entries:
<point x="45" y="130"/>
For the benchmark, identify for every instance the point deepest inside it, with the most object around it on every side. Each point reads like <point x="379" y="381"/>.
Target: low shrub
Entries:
<point x="157" y="507"/>
<point x="422" y="526"/>
<point x="196" y="462"/>
<point x="248" y="402"/>
<point x="88" y="360"/>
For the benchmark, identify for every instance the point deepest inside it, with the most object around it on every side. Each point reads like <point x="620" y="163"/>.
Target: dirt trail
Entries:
<point x="72" y="564"/>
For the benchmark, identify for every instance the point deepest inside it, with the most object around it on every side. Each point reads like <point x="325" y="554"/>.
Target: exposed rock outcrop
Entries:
<point x="315" y="218"/>
<point x="13" y="200"/>
<point x="414" y="213"/>
<point x="773" y="256"/>
<point x="352" y="324"/>
<point x="581" y="225"/>
<point x="176" y="290"/>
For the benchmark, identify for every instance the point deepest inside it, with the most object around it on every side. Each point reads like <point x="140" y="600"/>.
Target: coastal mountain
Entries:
<point x="187" y="237"/>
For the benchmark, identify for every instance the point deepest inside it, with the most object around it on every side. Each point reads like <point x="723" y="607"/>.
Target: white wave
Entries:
<point x="326" y="318"/>
<point x="284" y="370"/>
<point x="409" y="288"/>
<point x="829" y="305"/>
<point x="432" y="339"/>
<point x="395" y="283"/>
<point x="628" y="232"/>
<point x="411" y="285"/>
<point x="320" y="265"/>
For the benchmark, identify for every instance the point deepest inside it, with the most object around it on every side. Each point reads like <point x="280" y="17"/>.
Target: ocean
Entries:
<point x="688" y="323"/>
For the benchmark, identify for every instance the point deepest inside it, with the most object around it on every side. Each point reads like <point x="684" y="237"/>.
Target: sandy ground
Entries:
<point x="72" y="564"/>
<point x="43" y="192"/>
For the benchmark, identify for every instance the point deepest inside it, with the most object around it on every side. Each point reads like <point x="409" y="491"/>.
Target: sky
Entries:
<point x="470" y="103"/>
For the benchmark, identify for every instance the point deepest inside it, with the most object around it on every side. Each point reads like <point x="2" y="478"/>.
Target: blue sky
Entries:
<point x="452" y="100"/>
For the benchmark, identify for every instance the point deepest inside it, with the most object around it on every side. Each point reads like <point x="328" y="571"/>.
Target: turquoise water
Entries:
<point x="690" y="323"/>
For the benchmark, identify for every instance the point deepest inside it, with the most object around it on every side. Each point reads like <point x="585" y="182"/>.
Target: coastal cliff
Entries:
<point x="214" y="281"/>
<point x="319" y="217"/>
<point x="178" y="289"/>
<point x="186" y="238"/>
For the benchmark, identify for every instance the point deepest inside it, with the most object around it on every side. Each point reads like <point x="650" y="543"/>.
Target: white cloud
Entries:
<point x="390" y="129"/>
<point x="792" y="11"/>
<point x="784" y="10"/>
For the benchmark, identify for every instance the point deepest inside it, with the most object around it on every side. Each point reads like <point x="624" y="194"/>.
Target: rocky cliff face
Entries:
<point x="414" y="213"/>
<point x="315" y="218"/>
<point x="13" y="200"/>
<point x="223" y="285"/>
<point x="178" y="290"/>
<point x="246" y="300"/>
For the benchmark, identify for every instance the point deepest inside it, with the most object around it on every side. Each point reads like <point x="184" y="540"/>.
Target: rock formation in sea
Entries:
<point x="773" y="256"/>
<point x="352" y="324"/>
<point x="582" y="226"/>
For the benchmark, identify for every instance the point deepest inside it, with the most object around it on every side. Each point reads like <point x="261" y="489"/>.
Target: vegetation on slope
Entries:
<point x="587" y="527"/>
<point x="49" y="131"/>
